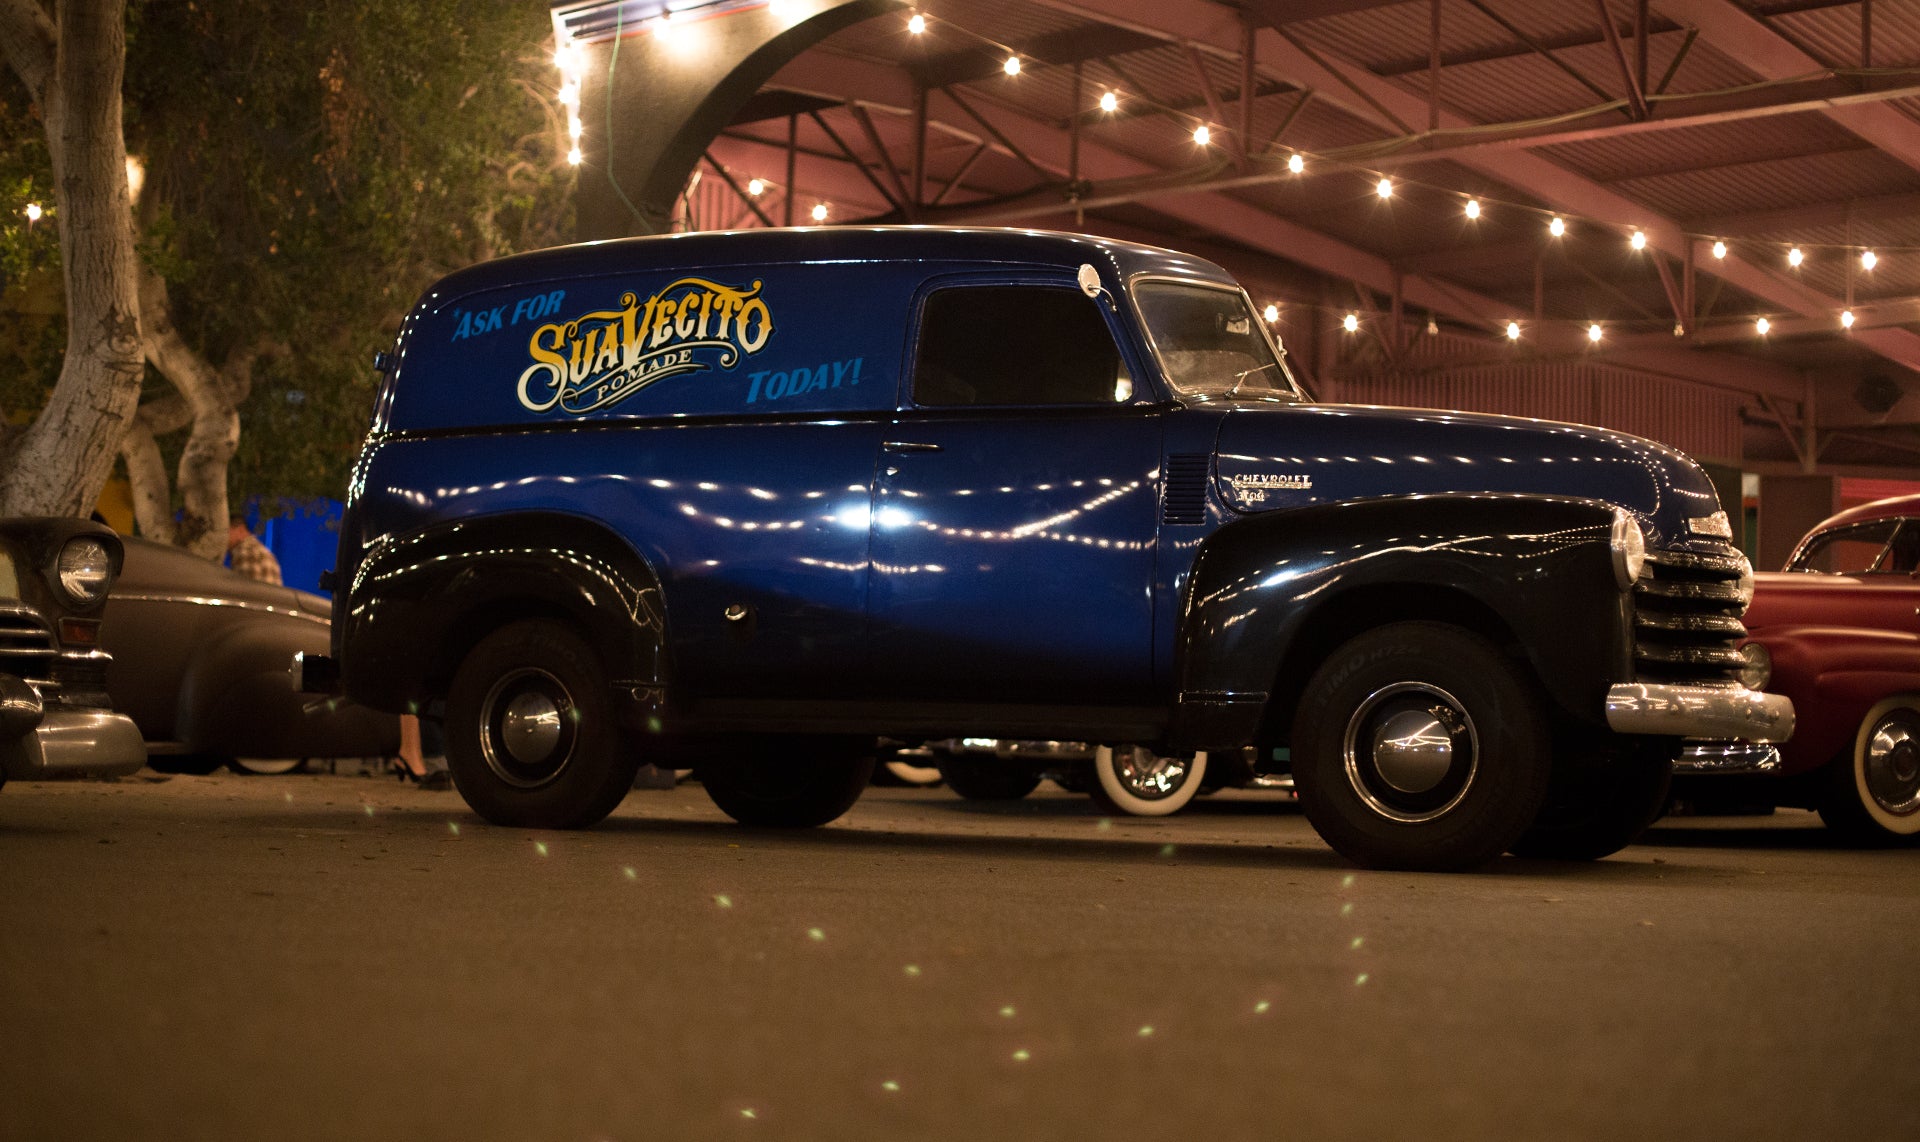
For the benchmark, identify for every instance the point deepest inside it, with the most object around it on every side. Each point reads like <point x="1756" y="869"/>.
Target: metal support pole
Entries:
<point x="1248" y="83"/>
<point x="919" y="147"/>
<point x="1433" y="71"/>
<point x="1073" y="125"/>
<point x="793" y="150"/>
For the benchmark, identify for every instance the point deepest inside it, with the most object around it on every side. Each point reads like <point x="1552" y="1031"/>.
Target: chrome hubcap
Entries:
<point x="1411" y="751"/>
<point x="1147" y="775"/>
<point x="527" y="728"/>
<point x="1892" y="765"/>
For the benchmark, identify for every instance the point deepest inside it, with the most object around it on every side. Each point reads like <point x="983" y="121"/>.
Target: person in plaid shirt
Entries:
<point x="249" y="556"/>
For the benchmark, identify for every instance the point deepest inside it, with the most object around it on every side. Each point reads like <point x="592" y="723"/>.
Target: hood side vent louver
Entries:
<point x="1186" y="488"/>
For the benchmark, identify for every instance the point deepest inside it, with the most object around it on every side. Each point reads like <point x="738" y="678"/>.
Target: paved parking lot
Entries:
<point x="343" y="957"/>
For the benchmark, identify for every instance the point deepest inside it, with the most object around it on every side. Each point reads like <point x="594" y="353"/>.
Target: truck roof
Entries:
<point x="822" y="244"/>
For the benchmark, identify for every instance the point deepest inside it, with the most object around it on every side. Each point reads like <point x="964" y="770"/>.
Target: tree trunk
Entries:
<point x="74" y="69"/>
<point x="215" y="435"/>
<point x="147" y="471"/>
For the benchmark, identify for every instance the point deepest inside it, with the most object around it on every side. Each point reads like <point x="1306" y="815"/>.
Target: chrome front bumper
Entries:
<point x="1699" y="712"/>
<point x="71" y="742"/>
<point x="1727" y="757"/>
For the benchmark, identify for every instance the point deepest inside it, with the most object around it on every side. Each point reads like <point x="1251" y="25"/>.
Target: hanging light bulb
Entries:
<point x="1868" y="260"/>
<point x="1202" y="134"/>
<point x="819" y="212"/>
<point x="1352" y="323"/>
<point x="575" y="128"/>
<point x="1513" y="331"/>
<point x="1639" y="240"/>
<point x="569" y="94"/>
<point x="1384" y="188"/>
<point x="33" y="212"/>
<point x="1795" y="257"/>
<point x="1719" y="249"/>
<point x="573" y="157"/>
<point x="1846" y="319"/>
<point x="1296" y="164"/>
<point x="755" y="187"/>
<point x="1109" y="102"/>
<point x="1763" y="325"/>
<point x="1593" y="332"/>
<point x="1271" y="313"/>
<point x="1473" y="208"/>
<point x="1012" y="66"/>
<point x="917" y="24"/>
<point x="1557" y="227"/>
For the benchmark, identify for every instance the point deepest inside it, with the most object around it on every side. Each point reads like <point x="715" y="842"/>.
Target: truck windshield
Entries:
<point x="1210" y="343"/>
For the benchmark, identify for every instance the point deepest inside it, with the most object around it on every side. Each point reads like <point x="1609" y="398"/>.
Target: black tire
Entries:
<point x="787" y="782"/>
<point x="1600" y="799"/>
<point x="193" y="764"/>
<point x="531" y="737"/>
<point x="1870" y="795"/>
<point x="981" y="779"/>
<point x="1464" y="778"/>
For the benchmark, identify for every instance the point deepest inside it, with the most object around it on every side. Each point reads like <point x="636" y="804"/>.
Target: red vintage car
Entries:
<point x="1842" y="625"/>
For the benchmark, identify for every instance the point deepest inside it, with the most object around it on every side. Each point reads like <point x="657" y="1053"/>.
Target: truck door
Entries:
<point x="1016" y="505"/>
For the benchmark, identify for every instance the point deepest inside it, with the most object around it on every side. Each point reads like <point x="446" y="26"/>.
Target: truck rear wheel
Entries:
<point x="531" y="739"/>
<point x="787" y="783"/>
<point x="1420" y="746"/>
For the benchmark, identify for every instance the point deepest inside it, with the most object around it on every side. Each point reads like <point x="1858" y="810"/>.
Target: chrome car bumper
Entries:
<point x="1007" y="748"/>
<point x="1727" y="757"/>
<point x="75" y="743"/>
<point x="1699" y="712"/>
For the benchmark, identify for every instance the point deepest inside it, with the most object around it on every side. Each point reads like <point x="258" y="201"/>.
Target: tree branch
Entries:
<point x="28" y="33"/>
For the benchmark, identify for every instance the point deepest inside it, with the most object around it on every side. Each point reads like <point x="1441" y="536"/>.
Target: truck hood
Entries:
<point x="1278" y="456"/>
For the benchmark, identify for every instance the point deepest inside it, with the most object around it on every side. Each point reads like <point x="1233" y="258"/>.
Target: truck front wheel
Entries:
<point x="1420" y="746"/>
<point x="1602" y="797"/>
<point x="787" y="783"/>
<point x="531" y="739"/>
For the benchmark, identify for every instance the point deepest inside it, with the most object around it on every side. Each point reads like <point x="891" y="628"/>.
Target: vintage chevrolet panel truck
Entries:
<point x="747" y="501"/>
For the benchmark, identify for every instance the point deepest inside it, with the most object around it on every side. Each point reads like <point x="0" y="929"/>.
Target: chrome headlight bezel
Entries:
<point x="83" y="571"/>
<point x="1756" y="666"/>
<point x="1746" y="583"/>
<point x="1629" y="544"/>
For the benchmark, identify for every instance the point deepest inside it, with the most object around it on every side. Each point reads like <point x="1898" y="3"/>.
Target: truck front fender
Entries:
<point x="1271" y="595"/>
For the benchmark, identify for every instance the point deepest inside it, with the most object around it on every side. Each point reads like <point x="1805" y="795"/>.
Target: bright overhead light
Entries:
<point x="1352" y="323"/>
<point x="1384" y="188"/>
<point x="1846" y="319"/>
<point x="1719" y="249"/>
<point x="1513" y="331"/>
<point x="569" y="94"/>
<point x="1473" y="208"/>
<point x="1593" y="333"/>
<point x="1296" y="164"/>
<point x="1557" y="227"/>
<point x="1763" y="325"/>
<point x="917" y="24"/>
<point x="1012" y="66"/>
<point x="1868" y="260"/>
<point x="573" y="156"/>
<point x="819" y="212"/>
<point x="755" y="187"/>
<point x="1271" y="313"/>
<point x="1203" y="134"/>
<point x="1639" y="240"/>
<point x="1109" y="102"/>
<point x="1795" y="257"/>
<point x="33" y="212"/>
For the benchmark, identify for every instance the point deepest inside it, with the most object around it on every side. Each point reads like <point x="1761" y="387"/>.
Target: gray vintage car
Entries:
<point x="200" y="663"/>
<point x="54" y="720"/>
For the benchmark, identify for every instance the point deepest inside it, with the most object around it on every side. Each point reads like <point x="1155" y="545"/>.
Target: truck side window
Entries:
<point x="1016" y="345"/>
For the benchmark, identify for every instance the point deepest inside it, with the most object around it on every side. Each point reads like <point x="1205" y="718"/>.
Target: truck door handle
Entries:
<point x="909" y="446"/>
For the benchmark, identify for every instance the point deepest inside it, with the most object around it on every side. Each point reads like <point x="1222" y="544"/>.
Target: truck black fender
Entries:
<point x="1270" y="596"/>
<point x="418" y="602"/>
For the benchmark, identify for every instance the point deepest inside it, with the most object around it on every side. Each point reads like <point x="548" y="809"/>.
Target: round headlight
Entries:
<point x="1629" y="549"/>
<point x="1756" y="666"/>
<point x="85" y="570"/>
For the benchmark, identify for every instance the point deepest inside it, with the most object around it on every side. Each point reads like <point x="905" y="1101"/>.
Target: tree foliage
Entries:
<point x="311" y="169"/>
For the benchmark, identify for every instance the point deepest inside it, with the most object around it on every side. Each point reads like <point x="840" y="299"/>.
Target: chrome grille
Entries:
<point x="26" y="645"/>
<point x="1686" y="618"/>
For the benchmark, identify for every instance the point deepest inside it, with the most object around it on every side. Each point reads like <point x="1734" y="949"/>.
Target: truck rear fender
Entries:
<point x="1270" y="596"/>
<point x="419" y="602"/>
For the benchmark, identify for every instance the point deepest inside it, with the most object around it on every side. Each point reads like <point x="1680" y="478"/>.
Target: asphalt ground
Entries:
<point x="334" y="957"/>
